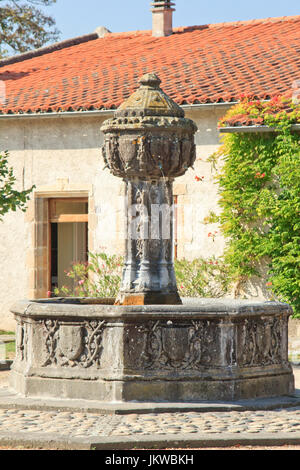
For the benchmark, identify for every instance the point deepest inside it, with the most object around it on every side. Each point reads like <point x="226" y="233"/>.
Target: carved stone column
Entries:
<point x="149" y="265"/>
<point x="148" y="143"/>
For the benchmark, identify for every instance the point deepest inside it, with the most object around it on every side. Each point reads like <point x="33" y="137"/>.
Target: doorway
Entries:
<point x="68" y="239"/>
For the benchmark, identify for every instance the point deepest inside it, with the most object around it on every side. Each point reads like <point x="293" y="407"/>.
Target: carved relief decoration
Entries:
<point x="192" y="346"/>
<point x="21" y="341"/>
<point x="150" y="155"/>
<point x="73" y="345"/>
<point x="170" y="346"/>
<point x="148" y="143"/>
<point x="262" y="341"/>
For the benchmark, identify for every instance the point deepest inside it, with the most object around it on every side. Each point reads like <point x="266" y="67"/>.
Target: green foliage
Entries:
<point x="24" y="26"/>
<point x="10" y="198"/>
<point x="10" y="349"/>
<point x="202" y="277"/>
<point x="260" y="200"/>
<point x="101" y="277"/>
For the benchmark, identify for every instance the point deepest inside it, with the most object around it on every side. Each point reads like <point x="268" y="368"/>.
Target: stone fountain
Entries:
<point x="149" y="345"/>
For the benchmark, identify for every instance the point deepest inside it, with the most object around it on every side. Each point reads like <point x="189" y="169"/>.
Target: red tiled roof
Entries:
<point x="201" y="64"/>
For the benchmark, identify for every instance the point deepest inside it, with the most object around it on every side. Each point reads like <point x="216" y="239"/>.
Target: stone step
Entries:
<point x="5" y="365"/>
<point x="7" y="338"/>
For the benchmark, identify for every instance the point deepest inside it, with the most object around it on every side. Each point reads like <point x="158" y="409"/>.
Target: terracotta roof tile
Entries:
<point x="199" y="64"/>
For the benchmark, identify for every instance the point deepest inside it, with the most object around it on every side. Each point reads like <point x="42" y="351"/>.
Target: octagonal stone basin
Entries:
<point x="204" y="349"/>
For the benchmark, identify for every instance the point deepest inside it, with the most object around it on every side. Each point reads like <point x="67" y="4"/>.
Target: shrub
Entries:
<point x="202" y="277"/>
<point x="101" y="277"/>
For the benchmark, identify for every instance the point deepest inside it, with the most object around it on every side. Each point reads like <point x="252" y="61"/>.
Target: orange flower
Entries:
<point x="260" y="175"/>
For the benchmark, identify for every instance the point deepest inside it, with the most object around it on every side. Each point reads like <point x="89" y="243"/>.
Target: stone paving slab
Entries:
<point x="183" y="441"/>
<point x="206" y="427"/>
<point x="5" y="365"/>
<point x="195" y="441"/>
<point x="7" y="339"/>
<point x="9" y="399"/>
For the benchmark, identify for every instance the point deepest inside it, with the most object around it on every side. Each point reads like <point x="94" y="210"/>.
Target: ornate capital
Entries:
<point x="149" y="137"/>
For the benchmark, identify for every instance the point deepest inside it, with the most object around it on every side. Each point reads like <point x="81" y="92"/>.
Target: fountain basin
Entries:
<point x="204" y="349"/>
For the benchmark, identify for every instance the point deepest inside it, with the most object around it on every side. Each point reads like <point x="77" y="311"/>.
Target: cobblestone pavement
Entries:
<point x="76" y="425"/>
<point x="71" y="424"/>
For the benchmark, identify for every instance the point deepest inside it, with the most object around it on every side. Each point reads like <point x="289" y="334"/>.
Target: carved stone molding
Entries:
<point x="153" y="155"/>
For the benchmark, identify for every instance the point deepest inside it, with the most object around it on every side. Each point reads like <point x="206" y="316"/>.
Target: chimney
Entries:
<point x="102" y="31"/>
<point x="162" y="18"/>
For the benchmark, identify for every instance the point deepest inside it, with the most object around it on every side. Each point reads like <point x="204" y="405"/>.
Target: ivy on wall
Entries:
<point x="259" y="182"/>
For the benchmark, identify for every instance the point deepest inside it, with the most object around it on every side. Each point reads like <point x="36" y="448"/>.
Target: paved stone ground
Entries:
<point x="89" y="425"/>
<point x="113" y="431"/>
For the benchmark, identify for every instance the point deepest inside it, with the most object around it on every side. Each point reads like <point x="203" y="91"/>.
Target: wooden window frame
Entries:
<point x="66" y="218"/>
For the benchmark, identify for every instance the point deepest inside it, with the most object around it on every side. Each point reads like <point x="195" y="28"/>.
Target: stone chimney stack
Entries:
<point x="162" y="18"/>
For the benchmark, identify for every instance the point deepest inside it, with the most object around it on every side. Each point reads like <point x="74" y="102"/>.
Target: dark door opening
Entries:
<point x="69" y="240"/>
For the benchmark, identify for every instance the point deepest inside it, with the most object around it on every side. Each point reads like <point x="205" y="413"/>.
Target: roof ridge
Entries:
<point x="182" y="29"/>
<point x="271" y="19"/>
<point x="93" y="36"/>
<point x="48" y="49"/>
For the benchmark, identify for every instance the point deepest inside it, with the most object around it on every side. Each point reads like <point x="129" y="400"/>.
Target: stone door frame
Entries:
<point x="39" y="252"/>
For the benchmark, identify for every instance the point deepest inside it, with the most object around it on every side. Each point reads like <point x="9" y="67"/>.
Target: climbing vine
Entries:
<point x="259" y="181"/>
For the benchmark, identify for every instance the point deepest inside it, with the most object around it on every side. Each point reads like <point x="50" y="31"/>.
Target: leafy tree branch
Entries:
<point x="10" y="198"/>
<point x="24" y="26"/>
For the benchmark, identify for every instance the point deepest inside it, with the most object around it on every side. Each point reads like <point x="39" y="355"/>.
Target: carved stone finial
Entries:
<point x="149" y="100"/>
<point x="151" y="80"/>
